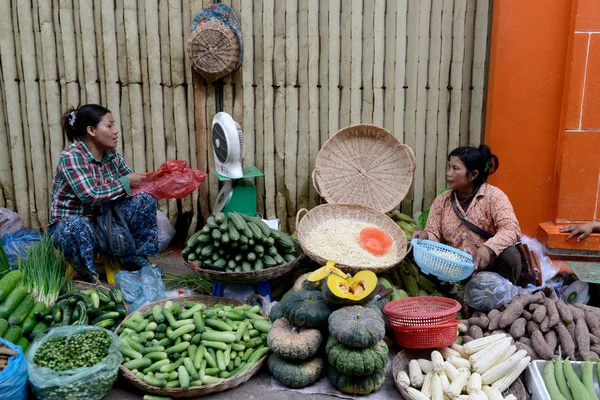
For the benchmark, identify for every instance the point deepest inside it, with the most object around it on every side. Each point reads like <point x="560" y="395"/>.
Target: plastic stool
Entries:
<point x="261" y="288"/>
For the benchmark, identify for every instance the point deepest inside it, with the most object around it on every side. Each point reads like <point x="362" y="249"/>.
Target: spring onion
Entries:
<point x="191" y="281"/>
<point x="4" y="265"/>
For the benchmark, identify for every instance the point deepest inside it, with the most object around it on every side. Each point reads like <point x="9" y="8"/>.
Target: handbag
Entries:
<point x="531" y="272"/>
<point x="113" y="234"/>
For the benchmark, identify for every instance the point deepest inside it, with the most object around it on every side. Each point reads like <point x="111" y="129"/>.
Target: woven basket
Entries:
<point x="195" y="390"/>
<point x="322" y="214"/>
<point x="365" y="165"/>
<point x="214" y="50"/>
<point x="249" y="277"/>
<point x="400" y="363"/>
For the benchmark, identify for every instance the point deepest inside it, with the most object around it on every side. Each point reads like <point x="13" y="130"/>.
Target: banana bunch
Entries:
<point x="405" y="222"/>
<point x="407" y="281"/>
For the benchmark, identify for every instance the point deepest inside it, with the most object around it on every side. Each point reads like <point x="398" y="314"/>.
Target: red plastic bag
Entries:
<point x="173" y="180"/>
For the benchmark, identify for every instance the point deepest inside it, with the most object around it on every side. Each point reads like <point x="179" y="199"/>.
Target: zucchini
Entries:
<point x="9" y="282"/>
<point x="138" y="363"/>
<point x="12" y="301"/>
<point x="225" y="337"/>
<point x="31" y="320"/>
<point x="21" y="311"/>
<point x="39" y="327"/>
<point x="159" y="318"/>
<point x="116" y="295"/>
<point x="24" y="343"/>
<point x="95" y="299"/>
<point x="103" y="295"/>
<point x="3" y="326"/>
<point x="121" y="310"/>
<point x="82" y="297"/>
<point x="108" y="315"/>
<point x="13" y="334"/>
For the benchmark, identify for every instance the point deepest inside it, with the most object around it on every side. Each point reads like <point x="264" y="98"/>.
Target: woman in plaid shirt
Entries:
<point x="91" y="176"/>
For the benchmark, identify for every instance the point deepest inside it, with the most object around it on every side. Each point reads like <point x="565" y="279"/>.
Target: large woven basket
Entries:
<point x="364" y="165"/>
<point x="194" y="391"/>
<point x="214" y="50"/>
<point x="249" y="277"/>
<point x="324" y="213"/>
<point x="400" y="363"/>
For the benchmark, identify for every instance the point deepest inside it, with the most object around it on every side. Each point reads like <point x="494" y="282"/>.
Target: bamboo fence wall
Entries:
<point x="417" y="68"/>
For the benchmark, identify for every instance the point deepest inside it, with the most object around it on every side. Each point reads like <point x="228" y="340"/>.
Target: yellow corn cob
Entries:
<point x="474" y="384"/>
<point x="495" y="353"/>
<point x="460" y="349"/>
<point x="503" y="383"/>
<point x="437" y="361"/>
<point x="415" y="374"/>
<point x="479" y="344"/>
<point x="459" y="362"/>
<point x="500" y="370"/>
<point x="492" y="393"/>
<point x="451" y="371"/>
<point x="426" y="388"/>
<point x="437" y="388"/>
<point x="447" y="352"/>
<point x="426" y="365"/>
<point x="457" y="385"/>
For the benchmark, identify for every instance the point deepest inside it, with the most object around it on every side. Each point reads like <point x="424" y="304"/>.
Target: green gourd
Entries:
<point x="291" y="342"/>
<point x="306" y="308"/>
<point x="356" y="326"/>
<point x="354" y="361"/>
<point x="356" y="385"/>
<point x="295" y="373"/>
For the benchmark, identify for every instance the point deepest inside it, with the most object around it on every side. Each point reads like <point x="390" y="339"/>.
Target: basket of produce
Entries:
<point x="421" y="370"/>
<point x="364" y="165"/>
<point x="445" y="262"/>
<point x="169" y="351"/>
<point x="238" y="248"/>
<point x="332" y="232"/>
<point x="76" y="362"/>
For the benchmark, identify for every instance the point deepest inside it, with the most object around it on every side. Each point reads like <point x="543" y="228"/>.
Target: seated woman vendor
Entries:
<point x="472" y="201"/>
<point x="91" y="177"/>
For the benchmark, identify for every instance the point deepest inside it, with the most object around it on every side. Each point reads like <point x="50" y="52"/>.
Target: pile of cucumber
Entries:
<point x="180" y="347"/>
<point x="237" y="242"/>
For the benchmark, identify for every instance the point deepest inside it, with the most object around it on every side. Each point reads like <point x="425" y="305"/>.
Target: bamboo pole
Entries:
<point x="303" y="158"/>
<point x="248" y="82"/>
<point x="99" y="52"/>
<point x="345" y="86"/>
<point x="444" y="98"/>
<point x="69" y="51"/>
<point x="467" y="73"/>
<point x="236" y="82"/>
<point x="145" y="86"/>
<point x="456" y="69"/>
<point x="79" y="46"/>
<point x="324" y="94"/>
<point x="88" y="45"/>
<point x="400" y="76"/>
<point x="368" y="56"/>
<point x="259" y="104"/>
<point x="389" y="68"/>
<point x="378" y="62"/>
<point x="60" y="58"/>
<point x="39" y="50"/>
<point x="269" y="145"/>
<point x="123" y="71"/>
<point x="6" y="185"/>
<point x="334" y="66"/>
<point x="213" y="182"/>
<point x="478" y="80"/>
<point x="201" y="142"/>
<point x="313" y="95"/>
<point x="357" y="59"/>
<point x="291" y="112"/>
<point x="279" y="118"/>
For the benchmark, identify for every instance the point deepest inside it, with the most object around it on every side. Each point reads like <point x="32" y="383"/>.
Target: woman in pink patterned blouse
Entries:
<point x="456" y="215"/>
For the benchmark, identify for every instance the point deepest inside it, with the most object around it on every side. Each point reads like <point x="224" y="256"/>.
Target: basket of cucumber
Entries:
<point x="237" y="248"/>
<point x="169" y="352"/>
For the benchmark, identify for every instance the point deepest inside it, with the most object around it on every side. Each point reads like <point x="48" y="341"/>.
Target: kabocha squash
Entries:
<point x="356" y="326"/>
<point x="306" y="308"/>
<point x="352" y="290"/>
<point x="294" y="373"/>
<point x="276" y="312"/>
<point x="356" y="385"/>
<point x="317" y="278"/>
<point x="354" y="361"/>
<point x="293" y="343"/>
<point x="299" y="283"/>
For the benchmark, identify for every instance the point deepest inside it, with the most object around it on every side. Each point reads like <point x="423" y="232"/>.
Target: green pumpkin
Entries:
<point x="356" y="326"/>
<point x="293" y="343"/>
<point x="276" y="312"/>
<point x="356" y="385"/>
<point x="294" y="373"/>
<point x="305" y="308"/>
<point x="354" y="361"/>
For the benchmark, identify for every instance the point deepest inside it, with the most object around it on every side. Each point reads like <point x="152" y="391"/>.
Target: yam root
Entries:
<point x="585" y="307"/>
<point x="551" y="339"/>
<point x="516" y="306"/>
<point x="577" y="313"/>
<point x="545" y="324"/>
<point x="482" y="321"/>
<point x="593" y="323"/>
<point x="517" y="329"/>
<point x="534" y="306"/>
<point x="494" y="319"/>
<point x="552" y="312"/>
<point x="565" y="312"/>
<point x="571" y="329"/>
<point x="539" y="314"/>
<point x="530" y="352"/>
<point x="498" y="331"/>
<point x="525" y="340"/>
<point x="532" y="326"/>
<point x="475" y="332"/>
<point x="594" y="339"/>
<point x="527" y="315"/>
<point x="567" y="344"/>
<point x="582" y="334"/>
<point x="540" y="346"/>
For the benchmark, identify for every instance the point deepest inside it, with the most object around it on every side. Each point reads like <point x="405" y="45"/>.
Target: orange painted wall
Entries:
<point x="528" y="55"/>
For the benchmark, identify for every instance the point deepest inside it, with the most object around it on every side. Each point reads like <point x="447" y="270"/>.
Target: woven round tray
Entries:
<point x="400" y="363"/>
<point x="214" y="50"/>
<point x="195" y="390"/>
<point x="322" y="214"/>
<point x="249" y="277"/>
<point x="365" y="165"/>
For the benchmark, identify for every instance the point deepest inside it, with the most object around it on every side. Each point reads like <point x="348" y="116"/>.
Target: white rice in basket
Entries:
<point x="338" y="241"/>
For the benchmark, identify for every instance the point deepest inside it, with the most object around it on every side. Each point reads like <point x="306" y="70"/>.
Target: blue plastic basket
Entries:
<point x="427" y="258"/>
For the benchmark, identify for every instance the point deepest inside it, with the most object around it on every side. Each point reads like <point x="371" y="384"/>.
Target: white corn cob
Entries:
<point x="437" y="388"/>
<point x="445" y="380"/>
<point x="447" y="352"/>
<point x="426" y="388"/>
<point x="414" y="394"/>
<point x="459" y="362"/>
<point x="462" y="328"/>
<point x="415" y="374"/>
<point x="403" y="379"/>
<point x="460" y="349"/>
<point x="511" y="350"/>
<point x="451" y="371"/>
<point x="437" y="361"/>
<point x="462" y="397"/>
<point x="426" y="365"/>
<point x="500" y="370"/>
<point x="492" y="393"/>
<point x="478" y="344"/>
<point x="494" y="355"/>
<point x="457" y="385"/>
<point x="474" y="384"/>
<point x="510" y="397"/>
<point x="478" y="395"/>
<point x="486" y="351"/>
<point x="503" y="383"/>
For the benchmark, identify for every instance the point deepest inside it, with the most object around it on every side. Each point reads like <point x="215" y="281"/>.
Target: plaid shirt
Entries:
<point x="81" y="183"/>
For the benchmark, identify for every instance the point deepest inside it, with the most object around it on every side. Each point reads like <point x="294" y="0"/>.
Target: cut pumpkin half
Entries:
<point x="317" y="278"/>
<point x="352" y="290"/>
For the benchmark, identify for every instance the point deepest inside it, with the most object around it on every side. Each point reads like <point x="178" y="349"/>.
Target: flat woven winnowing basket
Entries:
<point x="365" y="165"/>
<point x="214" y="50"/>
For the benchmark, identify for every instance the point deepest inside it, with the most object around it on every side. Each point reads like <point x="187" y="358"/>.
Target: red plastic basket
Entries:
<point x="427" y="336"/>
<point x="421" y="311"/>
